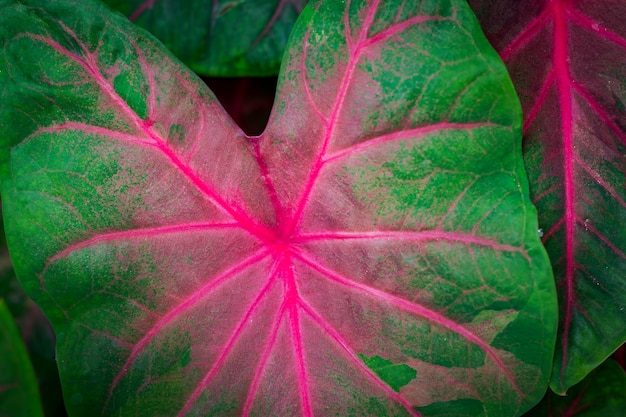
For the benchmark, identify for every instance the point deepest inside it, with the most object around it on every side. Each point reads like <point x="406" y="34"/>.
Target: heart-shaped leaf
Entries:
<point x="220" y="37"/>
<point x="568" y="62"/>
<point x="373" y="252"/>
<point x="18" y="387"/>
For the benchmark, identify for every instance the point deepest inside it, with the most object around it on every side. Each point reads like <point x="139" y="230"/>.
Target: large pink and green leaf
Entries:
<point x="568" y="62"/>
<point x="373" y="252"/>
<point x="219" y="37"/>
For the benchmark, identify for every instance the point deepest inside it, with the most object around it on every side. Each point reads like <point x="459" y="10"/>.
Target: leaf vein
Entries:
<point x="412" y="308"/>
<point x="336" y="336"/>
<point x="193" y="299"/>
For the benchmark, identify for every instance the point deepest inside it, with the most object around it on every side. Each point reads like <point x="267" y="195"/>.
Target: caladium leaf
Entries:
<point x="219" y="37"/>
<point x="600" y="394"/>
<point x="373" y="252"/>
<point x="568" y="63"/>
<point x="18" y="386"/>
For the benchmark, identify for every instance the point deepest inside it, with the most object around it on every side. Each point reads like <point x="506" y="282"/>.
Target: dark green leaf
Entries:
<point x="18" y="387"/>
<point x="220" y="37"/>
<point x="601" y="394"/>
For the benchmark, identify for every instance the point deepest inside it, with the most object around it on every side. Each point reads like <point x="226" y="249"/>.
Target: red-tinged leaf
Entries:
<point x="219" y="37"/>
<point x="373" y="252"/>
<point x="600" y="394"/>
<point x="18" y="387"/>
<point x="568" y="63"/>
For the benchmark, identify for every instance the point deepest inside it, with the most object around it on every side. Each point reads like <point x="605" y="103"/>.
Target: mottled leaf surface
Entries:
<point x="567" y="59"/>
<point x="601" y="394"/>
<point x="191" y="270"/>
<point x="219" y="37"/>
<point x="18" y="387"/>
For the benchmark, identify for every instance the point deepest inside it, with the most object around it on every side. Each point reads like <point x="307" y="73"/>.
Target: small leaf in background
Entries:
<point x="568" y="63"/>
<point x="601" y="394"/>
<point x="189" y="270"/>
<point x="18" y="387"/>
<point x="221" y="37"/>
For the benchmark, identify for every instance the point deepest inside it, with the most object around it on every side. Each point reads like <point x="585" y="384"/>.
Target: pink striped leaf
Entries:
<point x="373" y="252"/>
<point x="567" y="59"/>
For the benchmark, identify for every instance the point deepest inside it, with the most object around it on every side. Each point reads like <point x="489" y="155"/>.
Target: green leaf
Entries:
<point x="601" y="394"/>
<point x="221" y="37"/>
<point x="18" y="387"/>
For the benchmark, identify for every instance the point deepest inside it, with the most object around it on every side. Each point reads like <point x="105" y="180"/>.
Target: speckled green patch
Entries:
<point x="396" y="375"/>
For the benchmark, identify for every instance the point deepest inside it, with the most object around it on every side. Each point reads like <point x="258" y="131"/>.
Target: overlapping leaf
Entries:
<point x="220" y="37"/>
<point x="373" y="252"/>
<point x="600" y="394"/>
<point x="568" y="62"/>
<point x="35" y="331"/>
<point x="18" y="387"/>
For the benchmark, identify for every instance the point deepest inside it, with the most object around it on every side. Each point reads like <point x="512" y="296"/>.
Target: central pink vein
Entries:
<point x="564" y="83"/>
